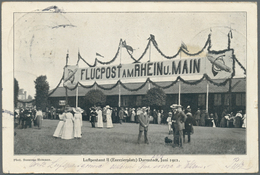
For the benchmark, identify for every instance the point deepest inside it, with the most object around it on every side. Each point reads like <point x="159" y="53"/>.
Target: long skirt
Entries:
<point x="68" y="132"/>
<point x="39" y="121"/>
<point x="59" y="129"/>
<point x="77" y="128"/>
<point x="109" y="122"/>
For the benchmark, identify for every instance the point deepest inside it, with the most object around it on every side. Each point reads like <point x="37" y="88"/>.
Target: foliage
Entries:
<point x="42" y="89"/>
<point x="16" y="92"/>
<point x="29" y="97"/>
<point x="95" y="97"/>
<point x="155" y="97"/>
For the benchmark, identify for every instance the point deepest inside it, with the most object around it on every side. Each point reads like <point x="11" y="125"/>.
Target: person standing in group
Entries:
<point x="125" y="114"/>
<point x="197" y="117"/>
<point x="77" y="122"/>
<point x="93" y="115"/>
<point x="169" y="121"/>
<point x="179" y="119"/>
<point x="109" y="119"/>
<point x="133" y="115"/>
<point x="188" y="126"/>
<point x="155" y="116"/>
<point x="104" y="114"/>
<point x="158" y="117"/>
<point x="39" y="118"/>
<point x="144" y="123"/>
<point x="99" y="118"/>
<point x="59" y="129"/>
<point x="68" y="132"/>
<point x="238" y="119"/>
<point x="121" y="115"/>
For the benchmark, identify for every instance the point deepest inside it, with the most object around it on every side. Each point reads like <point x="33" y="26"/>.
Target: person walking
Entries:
<point x="109" y="119"/>
<point x="121" y="115"/>
<point x="59" y="129"/>
<point x="39" y="118"/>
<point x="169" y="121"/>
<point x="68" y="132"/>
<point x="144" y="123"/>
<point x="93" y="115"/>
<point x="77" y="122"/>
<point x="99" y="118"/>
<point x="133" y="115"/>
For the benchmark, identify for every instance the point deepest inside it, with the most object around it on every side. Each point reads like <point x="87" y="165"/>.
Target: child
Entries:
<point x="169" y="120"/>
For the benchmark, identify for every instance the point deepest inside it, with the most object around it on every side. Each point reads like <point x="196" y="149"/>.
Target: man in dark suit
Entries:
<point x="93" y="115"/>
<point x="178" y="121"/>
<point x="188" y="126"/>
<point x="144" y="123"/>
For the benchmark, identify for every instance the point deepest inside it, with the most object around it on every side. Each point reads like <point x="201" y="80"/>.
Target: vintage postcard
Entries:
<point x="129" y="87"/>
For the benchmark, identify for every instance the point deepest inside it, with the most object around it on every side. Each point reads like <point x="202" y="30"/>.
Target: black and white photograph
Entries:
<point x="130" y="87"/>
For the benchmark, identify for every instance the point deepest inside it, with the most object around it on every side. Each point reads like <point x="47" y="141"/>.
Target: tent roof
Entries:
<point x="237" y="85"/>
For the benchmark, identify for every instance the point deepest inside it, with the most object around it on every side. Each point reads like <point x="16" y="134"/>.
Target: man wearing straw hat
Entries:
<point x="144" y="123"/>
<point x="178" y="121"/>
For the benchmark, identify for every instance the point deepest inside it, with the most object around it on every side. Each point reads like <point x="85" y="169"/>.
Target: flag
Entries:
<point x="67" y="57"/>
<point x="183" y="45"/>
<point x="129" y="48"/>
<point x="97" y="54"/>
<point x="152" y="38"/>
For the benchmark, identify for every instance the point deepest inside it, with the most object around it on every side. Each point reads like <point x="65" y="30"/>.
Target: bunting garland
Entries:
<point x="151" y="40"/>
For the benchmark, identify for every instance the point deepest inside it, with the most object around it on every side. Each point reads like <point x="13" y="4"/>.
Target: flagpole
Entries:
<point x="77" y="95"/>
<point x="119" y="86"/>
<point x="179" y="92"/>
<point x="207" y="99"/>
<point x="150" y="49"/>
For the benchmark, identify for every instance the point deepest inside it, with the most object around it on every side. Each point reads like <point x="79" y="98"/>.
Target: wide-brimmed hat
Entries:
<point x="188" y="107"/>
<point x="174" y="106"/>
<point x="78" y="110"/>
<point x="169" y="112"/>
<point x="144" y="108"/>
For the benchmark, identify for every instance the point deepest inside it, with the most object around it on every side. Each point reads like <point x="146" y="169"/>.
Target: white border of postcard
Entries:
<point x="74" y="164"/>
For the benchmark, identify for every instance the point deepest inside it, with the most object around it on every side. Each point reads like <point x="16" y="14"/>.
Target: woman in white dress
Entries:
<point x="77" y="122"/>
<point x="100" y="118"/>
<point x="68" y="132"/>
<point x="39" y="118"/>
<point x="59" y="128"/>
<point x="133" y="115"/>
<point x="108" y="115"/>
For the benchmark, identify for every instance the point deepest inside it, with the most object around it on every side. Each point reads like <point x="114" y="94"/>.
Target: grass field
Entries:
<point x="122" y="139"/>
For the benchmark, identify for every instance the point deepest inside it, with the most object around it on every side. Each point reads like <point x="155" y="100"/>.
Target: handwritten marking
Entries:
<point x="237" y="164"/>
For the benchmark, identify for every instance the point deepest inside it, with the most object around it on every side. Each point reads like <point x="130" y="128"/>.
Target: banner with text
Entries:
<point x="216" y="66"/>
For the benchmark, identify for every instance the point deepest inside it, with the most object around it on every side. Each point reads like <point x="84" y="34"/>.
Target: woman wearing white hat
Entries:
<point x="59" y="129"/>
<point x="68" y="132"/>
<point x="109" y="119"/>
<point x="77" y="122"/>
<point x="100" y="118"/>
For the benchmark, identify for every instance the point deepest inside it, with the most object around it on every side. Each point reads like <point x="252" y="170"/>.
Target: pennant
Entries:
<point x="152" y="38"/>
<point x="129" y="48"/>
<point x="183" y="46"/>
<point x="97" y="54"/>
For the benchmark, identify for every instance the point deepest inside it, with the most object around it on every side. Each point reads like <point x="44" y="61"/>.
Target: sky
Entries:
<point x="42" y="39"/>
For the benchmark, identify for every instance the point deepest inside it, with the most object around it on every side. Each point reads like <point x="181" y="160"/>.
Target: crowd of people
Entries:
<point x="28" y="117"/>
<point x="180" y="120"/>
